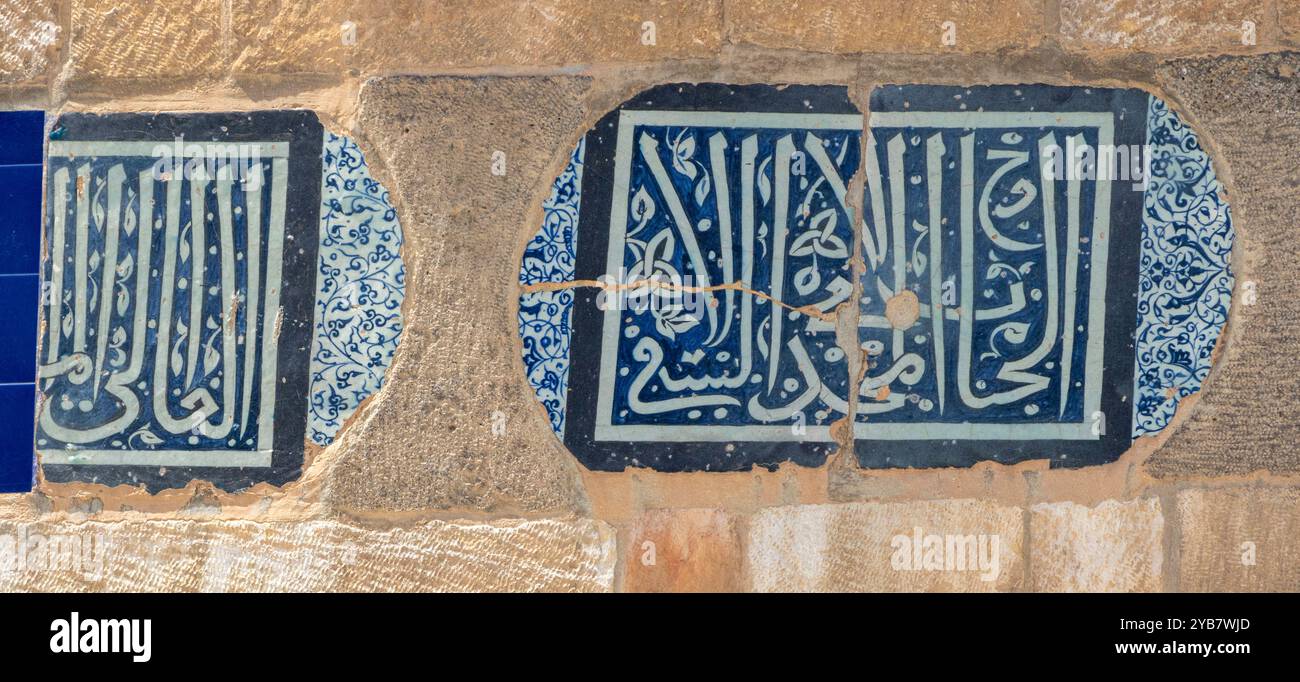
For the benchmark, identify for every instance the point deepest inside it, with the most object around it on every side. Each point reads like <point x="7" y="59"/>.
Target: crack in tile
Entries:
<point x="809" y="310"/>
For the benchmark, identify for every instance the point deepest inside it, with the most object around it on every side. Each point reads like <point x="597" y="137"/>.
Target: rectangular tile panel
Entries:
<point x="21" y="138"/>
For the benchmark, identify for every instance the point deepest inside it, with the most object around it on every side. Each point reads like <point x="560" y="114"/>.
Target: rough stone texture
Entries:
<point x="1183" y="26"/>
<point x="428" y="440"/>
<point x="1112" y="547"/>
<point x="290" y="36"/>
<point x="467" y="32"/>
<point x="1216" y="523"/>
<point x="884" y="26"/>
<point x="1289" y="15"/>
<point x="850" y="547"/>
<point x="1245" y="420"/>
<point x="309" y="556"/>
<point x="29" y="32"/>
<point x="301" y="35"/>
<point x="159" y="39"/>
<point x="692" y="550"/>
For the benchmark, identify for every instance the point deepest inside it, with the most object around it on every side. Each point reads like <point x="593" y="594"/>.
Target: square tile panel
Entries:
<point x="19" y="298"/>
<point x="720" y="214"/>
<point x="21" y="137"/>
<point x="181" y="281"/>
<point x="20" y="219"/>
<point x="16" y="404"/>
<point x="985" y="315"/>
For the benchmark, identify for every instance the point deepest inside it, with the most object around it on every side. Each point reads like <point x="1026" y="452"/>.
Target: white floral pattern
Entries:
<point x="361" y="282"/>
<point x="1185" y="281"/>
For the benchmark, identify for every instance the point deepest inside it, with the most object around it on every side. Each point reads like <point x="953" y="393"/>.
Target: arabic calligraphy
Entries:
<point x="991" y="245"/>
<point x="160" y="342"/>
<point x="765" y="203"/>
<point x="1006" y="262"/>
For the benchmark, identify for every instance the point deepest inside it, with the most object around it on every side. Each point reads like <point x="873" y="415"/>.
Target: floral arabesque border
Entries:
<point x="545" y="317"/>
<point x="360" y="288"/>
<point x="1185" y="279"/>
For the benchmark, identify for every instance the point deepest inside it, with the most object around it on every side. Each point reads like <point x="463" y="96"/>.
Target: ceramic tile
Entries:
<point x="22" y="136"/>
<point x="1185" y="280"/>
<point x="997" y="308"/>
<point x="20" y="226"/>
<point x="179" y="306"/>
<point x="1046" y="275"/>
<point x="16" y="404"/>
<point x="546" y="317"/>
<point x="19" y="297"/>
<point x="361" y="282"/>
<point x="698" y="186"/>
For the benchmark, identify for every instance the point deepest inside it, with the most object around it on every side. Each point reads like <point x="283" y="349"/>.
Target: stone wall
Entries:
<point x="449" y="477"/>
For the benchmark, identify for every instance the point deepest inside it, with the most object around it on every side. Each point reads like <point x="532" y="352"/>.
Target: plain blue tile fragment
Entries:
<point x="18" y="308"/>
<point x="17" y="452"/>
<point x="21" y="153"/>
<point x="22" y="136"/>
<point x="20" y="219"/>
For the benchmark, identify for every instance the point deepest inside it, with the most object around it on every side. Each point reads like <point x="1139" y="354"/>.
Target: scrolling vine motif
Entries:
<point x="1185" y="282"/>
<point x="361" y="285"/>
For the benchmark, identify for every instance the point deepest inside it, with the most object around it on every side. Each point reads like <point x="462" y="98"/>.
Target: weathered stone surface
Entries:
<point x="465" y="32"/>
<point x="1113" y="547"/>
<point x="1245" y="419"/>
<point x="686" y="550"/>
<point x="1183" y="26"/>
<point x="1217" y="524"/>
<point x="164" y="39"/>
<point x="29" y="33"/>
<point x="456" y="427"/>
<point x="299" y="35"/>
<point x="856" y="547"/>
<point x="884" y="25"/>
<point x="290" y="36"/>
<point x="308" y="556"/>
<point x="1289" y="15"/>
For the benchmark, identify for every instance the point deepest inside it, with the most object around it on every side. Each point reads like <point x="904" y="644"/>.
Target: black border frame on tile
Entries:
<point x="305" y="135"/>
<point x="592" y="243"/>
